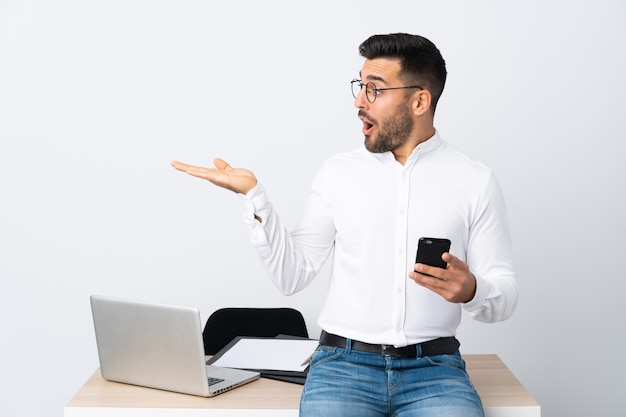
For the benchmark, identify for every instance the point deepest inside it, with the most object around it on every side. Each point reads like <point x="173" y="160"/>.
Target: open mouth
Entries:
<point x="368" y="126"/>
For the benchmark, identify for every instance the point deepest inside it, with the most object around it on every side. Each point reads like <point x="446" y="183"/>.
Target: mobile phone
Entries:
<point x="430" y="249"/>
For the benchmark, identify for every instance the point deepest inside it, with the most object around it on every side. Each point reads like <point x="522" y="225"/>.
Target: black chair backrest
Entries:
<point x="227" y="323"/>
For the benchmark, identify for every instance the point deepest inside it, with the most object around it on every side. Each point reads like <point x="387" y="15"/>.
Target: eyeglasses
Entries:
<point x="371" y="92"/>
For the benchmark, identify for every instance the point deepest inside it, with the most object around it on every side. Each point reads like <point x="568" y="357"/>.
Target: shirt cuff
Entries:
<point x="256" y="203"/>
<point x="482" y="289"/>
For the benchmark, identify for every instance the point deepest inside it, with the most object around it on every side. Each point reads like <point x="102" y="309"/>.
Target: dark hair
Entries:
<point x="420" y="60"/>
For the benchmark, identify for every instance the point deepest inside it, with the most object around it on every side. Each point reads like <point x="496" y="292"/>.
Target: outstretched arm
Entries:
<point x="238" y="180"/>
<point x="292" y="262"/>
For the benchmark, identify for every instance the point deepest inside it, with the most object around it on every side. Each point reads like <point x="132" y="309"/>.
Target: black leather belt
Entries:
<point x="440" y="346"/>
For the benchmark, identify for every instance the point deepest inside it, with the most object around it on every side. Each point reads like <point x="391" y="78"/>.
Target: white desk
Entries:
<point x="501" y="393"/>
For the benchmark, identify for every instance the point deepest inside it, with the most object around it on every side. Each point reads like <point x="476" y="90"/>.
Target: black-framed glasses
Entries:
<point x="371" y="91"/>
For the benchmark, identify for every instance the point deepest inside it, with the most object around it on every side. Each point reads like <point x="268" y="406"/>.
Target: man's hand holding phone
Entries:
<point x="450" y="277"/>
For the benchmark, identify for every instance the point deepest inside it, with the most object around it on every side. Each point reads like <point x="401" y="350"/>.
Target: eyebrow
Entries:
<point x="374" y="78"/>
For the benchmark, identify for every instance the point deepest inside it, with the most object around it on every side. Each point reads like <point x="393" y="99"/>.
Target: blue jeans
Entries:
<point x="348" y="383"/>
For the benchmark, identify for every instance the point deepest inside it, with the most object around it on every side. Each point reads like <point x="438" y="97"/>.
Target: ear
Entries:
<point x="421" y="101"/>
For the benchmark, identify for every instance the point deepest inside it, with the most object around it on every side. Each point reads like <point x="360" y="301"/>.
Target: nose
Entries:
<point x="360" y="102"/>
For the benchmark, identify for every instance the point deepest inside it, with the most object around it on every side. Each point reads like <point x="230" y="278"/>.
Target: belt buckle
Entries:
<point x="388" y="350"/>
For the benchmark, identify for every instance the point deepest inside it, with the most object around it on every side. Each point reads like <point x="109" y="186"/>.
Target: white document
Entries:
<point x="271" y="354"/>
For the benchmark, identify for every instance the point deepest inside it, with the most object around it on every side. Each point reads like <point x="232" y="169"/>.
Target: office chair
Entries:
<point x="227" y="323"/>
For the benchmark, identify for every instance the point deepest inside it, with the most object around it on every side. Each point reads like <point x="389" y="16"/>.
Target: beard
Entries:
<point x="393" y="131"/>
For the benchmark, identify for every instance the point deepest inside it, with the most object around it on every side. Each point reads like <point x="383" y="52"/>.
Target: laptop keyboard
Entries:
<point x="213" y="381"/>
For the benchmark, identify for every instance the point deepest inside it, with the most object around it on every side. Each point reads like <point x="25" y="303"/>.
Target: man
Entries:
<point x="388" y="346"/>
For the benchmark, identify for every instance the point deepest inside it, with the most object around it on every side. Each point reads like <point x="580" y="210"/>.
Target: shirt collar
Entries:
<point x="428" y="145"/>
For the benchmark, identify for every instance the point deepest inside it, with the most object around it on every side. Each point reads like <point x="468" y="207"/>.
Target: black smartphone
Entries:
<point x="430" y="249"/>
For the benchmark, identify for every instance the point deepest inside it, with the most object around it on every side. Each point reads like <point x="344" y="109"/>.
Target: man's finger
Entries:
<point x="451" y="259"/>
<point x="195" y="171"/>
<point x="179" y="166"/>
<point x="428" y="270"/>
<point x="221" y="164"/>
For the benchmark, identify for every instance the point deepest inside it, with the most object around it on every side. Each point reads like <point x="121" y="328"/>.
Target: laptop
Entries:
<point x="158" y="346"/>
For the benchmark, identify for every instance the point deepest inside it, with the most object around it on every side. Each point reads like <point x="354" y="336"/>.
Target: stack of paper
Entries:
<point x="286" y="359"/>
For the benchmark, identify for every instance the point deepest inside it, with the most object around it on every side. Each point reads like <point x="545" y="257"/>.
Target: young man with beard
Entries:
<point x="388" y="345"/>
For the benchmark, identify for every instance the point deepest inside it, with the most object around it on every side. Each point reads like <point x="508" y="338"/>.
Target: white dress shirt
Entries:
<point x="369" y="211"/>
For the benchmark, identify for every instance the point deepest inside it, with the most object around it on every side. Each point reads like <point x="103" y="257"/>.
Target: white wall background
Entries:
<point x="97" y="97"/>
